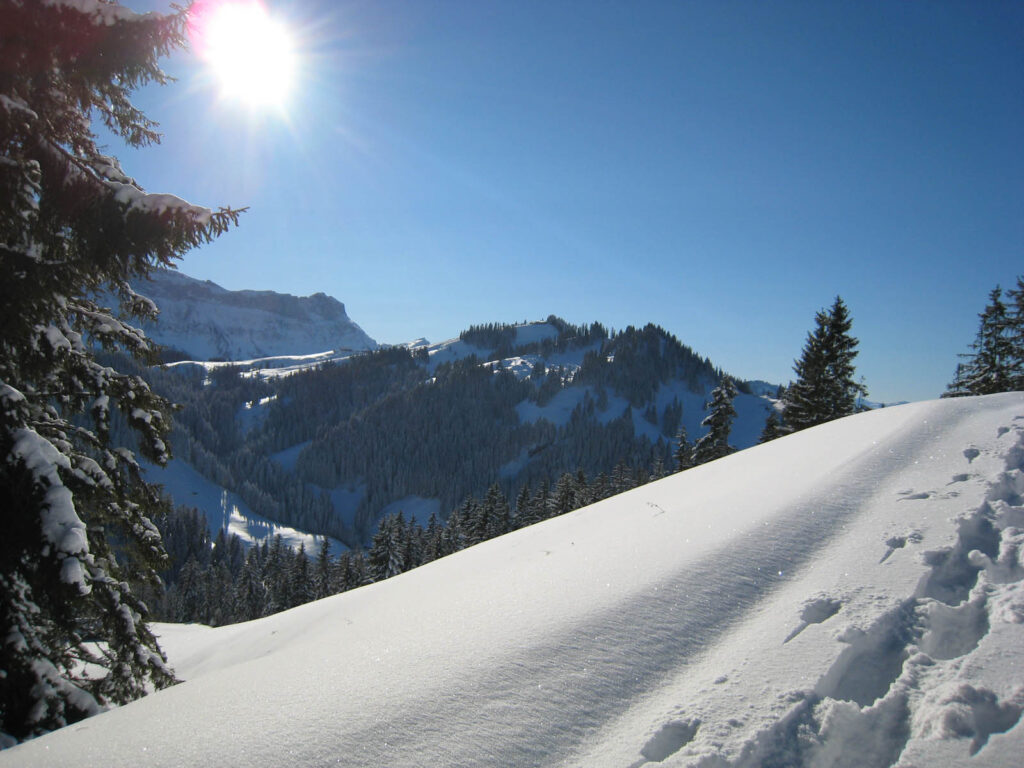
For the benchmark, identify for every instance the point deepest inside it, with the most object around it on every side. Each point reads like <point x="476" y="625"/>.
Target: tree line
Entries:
<point x="218" y="580"/>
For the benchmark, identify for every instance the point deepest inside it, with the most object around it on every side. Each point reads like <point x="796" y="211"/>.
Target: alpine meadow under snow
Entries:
<point x="849" y="595"/>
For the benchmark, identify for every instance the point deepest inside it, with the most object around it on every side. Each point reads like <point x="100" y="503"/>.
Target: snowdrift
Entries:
<point x="847" y="596"/>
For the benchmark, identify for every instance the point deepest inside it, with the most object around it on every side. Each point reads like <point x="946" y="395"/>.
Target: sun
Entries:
<point x="249" y="52"/>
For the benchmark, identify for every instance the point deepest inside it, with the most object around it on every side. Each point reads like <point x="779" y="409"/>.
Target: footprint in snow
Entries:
<point x="971" y="454"/>
<point x="898" y="542"/>
<point x="910" y="495"/>
<point x="815" y="612"/>
<point x="668" y="740"/>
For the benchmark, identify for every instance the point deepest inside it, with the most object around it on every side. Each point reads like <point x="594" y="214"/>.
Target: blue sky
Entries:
<point x="723" y="169"/>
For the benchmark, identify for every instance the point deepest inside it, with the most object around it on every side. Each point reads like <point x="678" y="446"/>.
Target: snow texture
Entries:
<point x="736" y="614"/>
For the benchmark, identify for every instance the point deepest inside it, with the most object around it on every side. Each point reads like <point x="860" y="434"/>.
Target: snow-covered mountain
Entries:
<point x="204" y="321"/>
<point x="338" y="440"/>
<point x="851" y="595"/>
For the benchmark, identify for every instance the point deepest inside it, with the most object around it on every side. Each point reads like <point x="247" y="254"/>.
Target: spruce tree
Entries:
<point x="433" y="538"/>
<point x="321" y="579"/>
<point x="715" y="444"/>
<point x="843" y="391"/>
<point x="387" y="552"/>
<point x="772" y="428"/>
<point x="1016" y="334"/>
<point x="73" y="227"/>
<point x="684" y="451"/>
<point x="825" y="388"/>
<point x="993" y="364"/>
<point x="498" y="516"/>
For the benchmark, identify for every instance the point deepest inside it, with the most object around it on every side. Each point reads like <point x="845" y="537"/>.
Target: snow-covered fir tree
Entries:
<point x="715" y="444"/>
<point x="74" y="226"/>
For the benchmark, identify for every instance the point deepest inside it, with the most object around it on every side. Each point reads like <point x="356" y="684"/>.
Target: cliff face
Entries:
<point x="205" y="321"/>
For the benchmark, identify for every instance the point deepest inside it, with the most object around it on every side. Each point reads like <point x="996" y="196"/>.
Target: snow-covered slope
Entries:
<point x="206" y="321"/>
<point x="852" y="595"/>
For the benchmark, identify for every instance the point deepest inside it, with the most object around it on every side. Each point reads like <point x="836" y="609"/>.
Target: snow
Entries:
<point x="158" y="202"/>
<point x="851" y="595"/>
<point x="558" y="410"/>
<point x="224" y="509"/>
<point x="60" y="524"/>
<point x="207" y="321"/>
<point x="289" y="457"/>
<point x="414" y="508"/>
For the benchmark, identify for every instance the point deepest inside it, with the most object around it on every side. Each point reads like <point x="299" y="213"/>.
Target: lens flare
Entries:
<point x="249" y="52"/>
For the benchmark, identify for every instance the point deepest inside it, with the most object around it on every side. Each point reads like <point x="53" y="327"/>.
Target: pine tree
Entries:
<point x="250" y="591"/>
<point x="715" y="444"/>
<point x="841" y="349"/>
<point x="992" y="366"/>
<point x="772" y="428"/>
<point x="386" y="556"/>
<point x="433" y="540"/>
<point x="825" y="388"/>
<point x="684" y="451"/>
<point x="321" y="580"/>
<point x="497" y="515"/>
<point x="563" y="498"/>
<point x="74" y="226"/>
<point x="1016" y="334"/>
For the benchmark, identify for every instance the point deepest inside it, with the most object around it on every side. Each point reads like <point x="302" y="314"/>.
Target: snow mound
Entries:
<point x="852" y="595"/>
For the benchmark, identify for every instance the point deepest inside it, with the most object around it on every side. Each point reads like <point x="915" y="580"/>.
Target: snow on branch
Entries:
<point x="106" y="13"/>
<point x="158" y="203"/>
<point x="60" y="524"/>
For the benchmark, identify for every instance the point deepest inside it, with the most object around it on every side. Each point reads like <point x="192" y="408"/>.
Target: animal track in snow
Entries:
<point x="815" y="612"/>
<point x="971" y="454"/>
<point x="961" y="478"/>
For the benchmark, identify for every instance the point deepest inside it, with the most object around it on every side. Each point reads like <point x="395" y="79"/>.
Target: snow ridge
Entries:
<point x="857" y="599"/>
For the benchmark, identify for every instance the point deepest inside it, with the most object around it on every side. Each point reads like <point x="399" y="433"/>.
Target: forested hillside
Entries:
<point x="326" y="449"/>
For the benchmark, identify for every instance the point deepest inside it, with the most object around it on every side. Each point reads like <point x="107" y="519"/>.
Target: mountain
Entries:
<point x="330" y="444"/>
<point x="850" y="595"/>
<point x="199" y="320"/>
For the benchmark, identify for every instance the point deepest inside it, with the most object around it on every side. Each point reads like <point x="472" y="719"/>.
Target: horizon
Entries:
<point x="720" y="170"/>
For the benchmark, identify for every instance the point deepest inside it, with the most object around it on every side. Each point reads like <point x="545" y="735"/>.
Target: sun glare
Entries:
<point x="249" y="52"/>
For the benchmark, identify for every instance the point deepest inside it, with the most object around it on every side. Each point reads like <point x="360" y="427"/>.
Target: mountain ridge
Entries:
<point x="424" y="426"/>
<point x="200" y="320"/>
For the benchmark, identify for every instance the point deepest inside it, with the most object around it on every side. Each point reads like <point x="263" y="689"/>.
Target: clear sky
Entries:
<point x="722" y="169"/>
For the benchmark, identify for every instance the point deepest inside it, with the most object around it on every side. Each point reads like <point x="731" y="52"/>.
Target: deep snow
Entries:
<point x="847" y="596"/>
